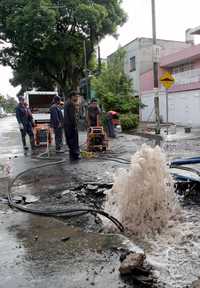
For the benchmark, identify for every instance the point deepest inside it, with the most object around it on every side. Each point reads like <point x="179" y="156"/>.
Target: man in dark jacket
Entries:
<point x="57" y="123"/>
<point x="70" y="125"/>
<point x="93" y="115"/>
<point x="25" y="121"/>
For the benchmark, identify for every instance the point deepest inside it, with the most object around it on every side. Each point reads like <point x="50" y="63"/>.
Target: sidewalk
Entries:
<point x="147" y="130"/>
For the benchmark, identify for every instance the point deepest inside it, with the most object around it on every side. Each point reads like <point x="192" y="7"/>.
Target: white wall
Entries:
<point x="184" y="107"/>
<point x="132" y="50"/>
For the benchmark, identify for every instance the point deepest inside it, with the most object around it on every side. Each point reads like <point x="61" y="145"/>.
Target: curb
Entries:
<point x="146" y="135"/>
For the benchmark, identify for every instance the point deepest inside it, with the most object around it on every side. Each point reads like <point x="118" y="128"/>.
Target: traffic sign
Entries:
<point x="167" y="80"/>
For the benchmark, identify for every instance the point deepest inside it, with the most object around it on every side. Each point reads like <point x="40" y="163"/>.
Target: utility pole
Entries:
<point x="86" y="70"/>
<point x="99" y="57"/>
<point x="155" y="70"/>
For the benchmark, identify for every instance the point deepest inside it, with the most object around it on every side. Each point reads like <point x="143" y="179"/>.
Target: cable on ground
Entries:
<point x="69" y="212"/>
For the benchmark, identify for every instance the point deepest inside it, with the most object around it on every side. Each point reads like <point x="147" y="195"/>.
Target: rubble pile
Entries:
<point x="135" y="270"/>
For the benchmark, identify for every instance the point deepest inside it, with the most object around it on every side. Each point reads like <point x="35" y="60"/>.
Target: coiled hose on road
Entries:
<point x="67" y="212"/>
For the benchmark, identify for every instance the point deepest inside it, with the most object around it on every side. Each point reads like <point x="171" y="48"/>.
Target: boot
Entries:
<point x="32" y="142"/>
<point x="24" y="143"/>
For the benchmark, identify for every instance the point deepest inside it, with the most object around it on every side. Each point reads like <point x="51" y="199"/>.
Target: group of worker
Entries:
<point x="59" y="122"/>
<point x="68" y="122"/>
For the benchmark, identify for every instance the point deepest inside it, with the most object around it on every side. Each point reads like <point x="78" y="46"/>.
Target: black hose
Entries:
<point x="62" y="212"/>
<point x="190" y="169"/>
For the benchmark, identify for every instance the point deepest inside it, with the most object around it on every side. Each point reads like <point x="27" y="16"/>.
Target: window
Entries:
<point x="182" y="68"/>
<point x="132" y="64"/>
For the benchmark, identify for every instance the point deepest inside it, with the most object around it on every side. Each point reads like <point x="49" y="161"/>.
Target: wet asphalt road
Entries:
<point x="32" y="251"/>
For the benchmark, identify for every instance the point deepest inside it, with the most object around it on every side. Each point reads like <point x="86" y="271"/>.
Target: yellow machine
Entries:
<point x="96" y="139"/>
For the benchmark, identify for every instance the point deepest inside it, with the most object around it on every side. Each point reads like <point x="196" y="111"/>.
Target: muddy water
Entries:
<point x="169" y="232"/>
<point x="175" y="253"/>
<point x="142" y="197"/>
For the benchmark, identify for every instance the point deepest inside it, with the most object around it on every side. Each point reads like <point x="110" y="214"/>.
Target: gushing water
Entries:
<point x="142" y="197"/>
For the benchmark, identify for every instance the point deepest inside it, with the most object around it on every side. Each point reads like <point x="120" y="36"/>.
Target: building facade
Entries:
<point x="184" y="96"/>
<point x="139" y="57"/>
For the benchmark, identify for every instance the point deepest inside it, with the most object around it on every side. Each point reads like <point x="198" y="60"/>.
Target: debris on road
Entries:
<point x="196" y="284"/>
<point x="133" y="269"/>
<point x="92" y="187"/>
<point x="132" y="262"/>
<point x="65" y="239"/>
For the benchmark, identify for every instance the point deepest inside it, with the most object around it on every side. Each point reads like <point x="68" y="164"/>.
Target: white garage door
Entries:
<point x="184" y="108"/>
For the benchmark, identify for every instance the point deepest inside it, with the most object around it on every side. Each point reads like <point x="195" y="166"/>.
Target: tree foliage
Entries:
<point x="129" y="121"/>
<point x="8" y="103"/>
<point x="45" y="37"/>
<point x="114" y="88"/>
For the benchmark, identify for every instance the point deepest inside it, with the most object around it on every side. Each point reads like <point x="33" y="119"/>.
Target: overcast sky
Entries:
<point x="173" y="18"/>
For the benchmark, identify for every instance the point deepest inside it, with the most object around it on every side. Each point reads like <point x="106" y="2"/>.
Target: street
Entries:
<point x="33" y="252"/>
<point x="100" y="144"/>
<point x="78" y="252"/>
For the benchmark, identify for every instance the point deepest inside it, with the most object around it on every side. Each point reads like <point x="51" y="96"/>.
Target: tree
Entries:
<point x="47" y="36"/>
<point x="114" y="88"/>
<point x="31" y="79"/>
<point x="2" y="101"/>
<point x="8" y="103"/>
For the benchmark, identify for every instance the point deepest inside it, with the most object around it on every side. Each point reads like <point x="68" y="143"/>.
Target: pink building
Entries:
<point x="184" y="97"/>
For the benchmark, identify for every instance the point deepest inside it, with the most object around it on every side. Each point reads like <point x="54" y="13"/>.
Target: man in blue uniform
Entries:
<point x="71" y="127"/>
<point x="57" y="123"/>
<point x="25" y="121"/>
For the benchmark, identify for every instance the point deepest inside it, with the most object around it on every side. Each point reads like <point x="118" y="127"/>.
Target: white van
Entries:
<point x="39" y="102"/>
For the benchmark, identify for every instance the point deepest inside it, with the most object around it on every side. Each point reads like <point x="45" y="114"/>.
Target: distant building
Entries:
<point x="2" y="111"/>
<point x="139" y="57"/>
<point x="184" y="96"/>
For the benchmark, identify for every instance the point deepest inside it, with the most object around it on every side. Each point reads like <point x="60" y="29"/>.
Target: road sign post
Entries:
<point x="167" y="110"/>
<point x="167" y="81"/>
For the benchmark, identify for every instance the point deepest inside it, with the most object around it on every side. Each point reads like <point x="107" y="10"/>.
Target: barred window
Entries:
<point x="132" y="64"/>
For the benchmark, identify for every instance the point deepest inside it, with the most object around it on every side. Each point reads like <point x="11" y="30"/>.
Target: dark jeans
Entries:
<point x="27" y="130"/>
<point x="110" y="127"/>
<point x="58" y="137"/>
<point x="72" y="142"/>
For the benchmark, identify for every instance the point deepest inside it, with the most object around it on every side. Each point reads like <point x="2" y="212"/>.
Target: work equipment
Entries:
<point x="39" y="103"/>
<point x="96" y="139"/>
<point x="43" y="135"/>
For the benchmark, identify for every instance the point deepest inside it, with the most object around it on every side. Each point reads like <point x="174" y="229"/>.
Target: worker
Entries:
<point x="56" y="122"/>
<point x="29" y="114"/>
<point x="71" y="125"/>
<point x="25" y="121"/>
<point x="110" y="126"/>
<point x="93" y="114"/>
<point x="62" y="107"/>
